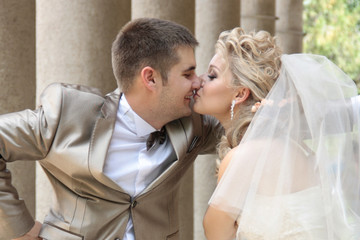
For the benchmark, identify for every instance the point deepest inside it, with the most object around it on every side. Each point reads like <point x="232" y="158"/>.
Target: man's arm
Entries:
<point x="33" y="234"/>
<point x="25" y="135"/>
<point x="15" y="218"/>
<point x="212" y="132"/>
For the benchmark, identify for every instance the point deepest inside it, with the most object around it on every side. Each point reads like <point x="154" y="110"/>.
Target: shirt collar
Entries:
<point x="142" y="128"/>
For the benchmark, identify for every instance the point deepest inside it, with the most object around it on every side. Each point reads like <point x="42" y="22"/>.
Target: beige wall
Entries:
<point x="17" y="79"/>
<point x="258" y="15"/>
<point x="180" y="11"/>
<point x="289" y="27"/>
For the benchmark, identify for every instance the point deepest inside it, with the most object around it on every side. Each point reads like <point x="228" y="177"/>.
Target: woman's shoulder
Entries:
<point x="244" y="152"/>
<point x="225" y="162"/>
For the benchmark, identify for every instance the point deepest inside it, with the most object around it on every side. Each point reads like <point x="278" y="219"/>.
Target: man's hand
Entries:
<point x="33" y="234"/>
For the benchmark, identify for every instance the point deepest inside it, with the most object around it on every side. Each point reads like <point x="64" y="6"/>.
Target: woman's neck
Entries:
<point x="225" y="122"/>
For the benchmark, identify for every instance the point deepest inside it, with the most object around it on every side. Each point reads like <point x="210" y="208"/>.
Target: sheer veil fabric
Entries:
<point x="295" y="175"/>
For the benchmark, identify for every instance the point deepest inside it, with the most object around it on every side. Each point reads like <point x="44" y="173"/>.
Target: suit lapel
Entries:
<point x="101" y="138"/>
<point x="183" y="135"/>
<point x="178" y="138"/>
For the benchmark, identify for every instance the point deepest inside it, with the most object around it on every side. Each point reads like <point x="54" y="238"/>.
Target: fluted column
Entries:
<point x="73" y="45"/>
<point x="258" y="15"/>
<point x="289" y="27"/>
<point x="212" y="17"/>
<point x="182" y="12"/>
<point x="17" y="79"/>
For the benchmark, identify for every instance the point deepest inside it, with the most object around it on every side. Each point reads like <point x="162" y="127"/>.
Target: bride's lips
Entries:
<point x="195" y="95"/>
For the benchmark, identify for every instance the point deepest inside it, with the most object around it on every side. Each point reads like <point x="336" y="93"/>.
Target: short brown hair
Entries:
<point x="147" y="42"/>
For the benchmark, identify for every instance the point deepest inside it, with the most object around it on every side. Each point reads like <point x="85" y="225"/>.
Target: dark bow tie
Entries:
<point x="155" y="137"/>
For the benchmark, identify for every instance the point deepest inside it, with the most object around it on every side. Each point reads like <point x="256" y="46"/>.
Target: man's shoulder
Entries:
<point x="73" y="96"/>
<point x="201" y="125"/>
<point x="61" y="87"/>
<point x="77" y="92"/>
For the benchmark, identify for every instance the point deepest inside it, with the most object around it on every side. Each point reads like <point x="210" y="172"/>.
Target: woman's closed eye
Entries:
<point x="211" y="77"/>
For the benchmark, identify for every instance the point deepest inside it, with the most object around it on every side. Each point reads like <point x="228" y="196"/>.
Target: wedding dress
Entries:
<point x="298" y="222"/>
<point x="296" y="173"/>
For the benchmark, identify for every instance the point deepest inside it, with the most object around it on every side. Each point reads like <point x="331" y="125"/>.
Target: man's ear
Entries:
<point x="242" y="94"/>
<point x="149" y="77"/>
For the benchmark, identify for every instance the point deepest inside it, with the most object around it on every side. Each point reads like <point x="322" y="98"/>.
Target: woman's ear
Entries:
<point x="148" y="77"/>
<point x="242" y="94"/>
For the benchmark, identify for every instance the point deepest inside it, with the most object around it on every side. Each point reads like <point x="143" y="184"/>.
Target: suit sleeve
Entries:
<point x="212" y="132"/>
<point x="25" y="135"/>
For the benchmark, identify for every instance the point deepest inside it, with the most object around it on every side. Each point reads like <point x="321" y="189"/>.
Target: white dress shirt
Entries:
<point x="128" y="163"/>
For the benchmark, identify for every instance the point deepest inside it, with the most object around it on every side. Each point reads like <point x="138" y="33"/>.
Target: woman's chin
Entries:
<point x="200" y="111"/>
<point x="197" y="111"/>
<point x="197" y="108"/>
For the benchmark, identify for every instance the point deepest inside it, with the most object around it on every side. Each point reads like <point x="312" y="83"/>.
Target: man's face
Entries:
<point x="176" y="94"/>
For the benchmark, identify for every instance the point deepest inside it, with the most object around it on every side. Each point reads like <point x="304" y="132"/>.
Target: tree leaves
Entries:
<point x="332" y="29"/>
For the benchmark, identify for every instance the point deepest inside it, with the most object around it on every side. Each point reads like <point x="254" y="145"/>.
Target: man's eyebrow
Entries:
<point x="191" y="68"/>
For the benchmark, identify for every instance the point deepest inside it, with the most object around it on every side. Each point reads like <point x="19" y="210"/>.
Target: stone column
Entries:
<point x="17" y="79"/>
<point x="182" y="12"/>
<point x="289" y="28"/>
<point x="258" y="15"/>
<point x="73" y="45"/>
<point x="212" y="17"/>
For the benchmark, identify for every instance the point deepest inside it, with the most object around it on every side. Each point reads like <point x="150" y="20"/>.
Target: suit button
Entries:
<point x="133" y="204"/>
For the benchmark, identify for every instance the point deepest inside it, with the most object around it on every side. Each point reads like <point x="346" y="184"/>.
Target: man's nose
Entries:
<point x="196" y="84"/>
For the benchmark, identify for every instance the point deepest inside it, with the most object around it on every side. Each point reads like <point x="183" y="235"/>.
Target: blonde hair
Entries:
<point x="254" y="61"/>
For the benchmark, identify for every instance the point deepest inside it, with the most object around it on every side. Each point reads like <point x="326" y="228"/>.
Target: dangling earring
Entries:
<point x="232" y="109"/>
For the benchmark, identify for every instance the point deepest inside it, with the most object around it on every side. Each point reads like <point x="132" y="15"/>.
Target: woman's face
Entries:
<point x="215" y="96"/>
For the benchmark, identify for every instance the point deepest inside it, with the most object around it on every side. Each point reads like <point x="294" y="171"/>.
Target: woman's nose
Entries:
<point x="196" y="84"/>
<point x="202" y="80"/>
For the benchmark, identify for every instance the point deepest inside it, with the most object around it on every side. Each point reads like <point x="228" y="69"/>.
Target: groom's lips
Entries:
<point x="188" y="97"/>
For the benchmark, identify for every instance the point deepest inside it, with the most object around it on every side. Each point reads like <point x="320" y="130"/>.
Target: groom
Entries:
<point x="114" y="161"/>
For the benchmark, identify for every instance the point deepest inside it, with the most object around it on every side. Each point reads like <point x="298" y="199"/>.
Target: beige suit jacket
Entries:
<point x="70" y="133"/>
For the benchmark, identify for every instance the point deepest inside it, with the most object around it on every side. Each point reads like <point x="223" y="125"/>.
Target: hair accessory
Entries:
<point x="232" y="109"/>
<point x="255" y="107"/>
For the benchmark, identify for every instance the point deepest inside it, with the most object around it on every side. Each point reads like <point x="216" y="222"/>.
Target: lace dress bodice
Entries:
<point x="298" y="216"/>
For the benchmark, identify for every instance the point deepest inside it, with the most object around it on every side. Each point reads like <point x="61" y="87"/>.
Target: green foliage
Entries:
<point x="332" y="29"/>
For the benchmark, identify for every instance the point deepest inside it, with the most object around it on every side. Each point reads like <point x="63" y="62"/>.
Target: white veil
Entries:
<point x="296" y="170"/>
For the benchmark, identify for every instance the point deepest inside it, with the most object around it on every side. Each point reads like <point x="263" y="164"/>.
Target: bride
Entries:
<point x="290" y="163"/>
